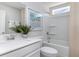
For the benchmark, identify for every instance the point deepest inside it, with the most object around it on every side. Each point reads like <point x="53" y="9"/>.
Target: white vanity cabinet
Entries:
<point x="31" y="50"/>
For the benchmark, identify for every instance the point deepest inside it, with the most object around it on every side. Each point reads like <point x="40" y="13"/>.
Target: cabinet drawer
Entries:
<point x="24" y="51"/>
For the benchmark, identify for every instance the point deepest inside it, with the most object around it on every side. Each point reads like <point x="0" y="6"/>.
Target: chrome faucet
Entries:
<point x="48" y="37"/>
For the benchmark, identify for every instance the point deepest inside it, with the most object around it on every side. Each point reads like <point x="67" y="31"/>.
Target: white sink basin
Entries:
<point x="3" y="39"/>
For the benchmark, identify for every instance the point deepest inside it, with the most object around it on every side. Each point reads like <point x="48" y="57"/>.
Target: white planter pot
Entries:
<point x="24" y="35"/>
<point x="18" y="35"/>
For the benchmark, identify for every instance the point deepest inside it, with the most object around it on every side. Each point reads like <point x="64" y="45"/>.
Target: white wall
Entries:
<point x="74" y="30"/>
<point x="2" y="21"/>
<point x="11" y="14"/>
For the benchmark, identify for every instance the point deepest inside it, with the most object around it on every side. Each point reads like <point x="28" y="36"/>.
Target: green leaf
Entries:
<point x="21" y="29"/>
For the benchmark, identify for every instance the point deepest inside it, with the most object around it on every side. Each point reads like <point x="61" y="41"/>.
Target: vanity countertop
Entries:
<point x="11" y="45"/>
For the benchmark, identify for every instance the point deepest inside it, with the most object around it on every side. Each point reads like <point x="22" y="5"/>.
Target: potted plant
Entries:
<point x="22" y="29"/>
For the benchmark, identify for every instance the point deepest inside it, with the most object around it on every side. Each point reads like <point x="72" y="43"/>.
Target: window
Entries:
<point x="61" y="10"/>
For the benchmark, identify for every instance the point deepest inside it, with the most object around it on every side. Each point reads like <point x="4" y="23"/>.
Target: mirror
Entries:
<point x="35" y="20"/>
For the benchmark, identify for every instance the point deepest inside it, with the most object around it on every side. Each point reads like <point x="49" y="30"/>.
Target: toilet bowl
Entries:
<point x="48" y="52"/>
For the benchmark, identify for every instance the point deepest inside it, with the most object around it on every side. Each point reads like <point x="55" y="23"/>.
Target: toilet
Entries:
<point x="48" y="52"/>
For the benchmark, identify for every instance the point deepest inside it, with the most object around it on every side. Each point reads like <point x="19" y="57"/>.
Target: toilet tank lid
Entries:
<point x="49" y="50"/>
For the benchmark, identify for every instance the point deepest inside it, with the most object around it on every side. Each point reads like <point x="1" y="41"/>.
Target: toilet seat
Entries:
<point x="48" y="51"/>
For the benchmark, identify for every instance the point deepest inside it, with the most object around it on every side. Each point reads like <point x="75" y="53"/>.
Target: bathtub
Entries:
<point x="61" y="46"/>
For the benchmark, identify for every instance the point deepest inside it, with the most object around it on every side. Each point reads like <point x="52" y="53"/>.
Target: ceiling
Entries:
<point x="17" y="5"/>
<point x="42" y="6"/>
<point x="39" y="6"/>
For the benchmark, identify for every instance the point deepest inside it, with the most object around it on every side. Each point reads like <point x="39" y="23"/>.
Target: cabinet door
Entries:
<point x="35" y="53"/>
<point x="24" y="51"/>
<point x="2" y="21"/>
